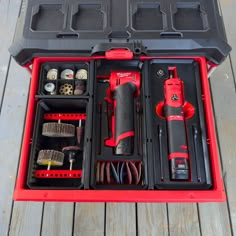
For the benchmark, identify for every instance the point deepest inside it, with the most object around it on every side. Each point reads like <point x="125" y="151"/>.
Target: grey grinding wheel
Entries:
<point x="58" y="130"/>
<point x="50" y="158"/>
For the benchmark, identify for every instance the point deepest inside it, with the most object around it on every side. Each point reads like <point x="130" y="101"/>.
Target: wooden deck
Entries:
<point x="111" y="219"/>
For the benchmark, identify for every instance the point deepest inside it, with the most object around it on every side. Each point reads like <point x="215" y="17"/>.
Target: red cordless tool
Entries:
<point x="174" y="114"/>
<point x="124" y="87"/>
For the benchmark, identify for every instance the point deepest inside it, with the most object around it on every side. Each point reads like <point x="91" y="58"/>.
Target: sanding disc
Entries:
<point x="67" y="74"/>
<point x="66" y="89"/>
<point x="82" y="74"/>
<point x="50" y="88"/>
<point x="52" y="74"/>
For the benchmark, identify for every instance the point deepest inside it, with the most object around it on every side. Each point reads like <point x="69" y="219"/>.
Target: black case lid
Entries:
<point x="89" y="27"/>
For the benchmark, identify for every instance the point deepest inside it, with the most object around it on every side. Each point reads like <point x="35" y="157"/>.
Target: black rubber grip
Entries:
<point x="177" y="144"/>
<point x="176" y="136"/>
<point x="124" y="117"/>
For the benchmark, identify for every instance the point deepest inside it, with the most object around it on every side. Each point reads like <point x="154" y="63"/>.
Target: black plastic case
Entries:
<point x="159" y="34"/>
<point x="62" y="28"/>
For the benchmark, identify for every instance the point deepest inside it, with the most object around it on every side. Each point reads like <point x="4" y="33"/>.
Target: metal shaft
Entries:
<point x="49" y="165"/>
<point x="71" y="164"/>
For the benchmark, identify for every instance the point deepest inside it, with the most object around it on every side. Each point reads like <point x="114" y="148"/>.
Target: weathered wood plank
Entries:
<point x="183" y="219"/>
<point x="11" y="127"/>
<point x="89" y="219"/>
<point x="224" y="99"/>
<point x="214" y="219"/>
<point x="26" y="219"/>
<point x="222" y="87"/>
<point x="228" y="12"/>
<point x="8" y="14"/>
<point x="152" y="219"/>
<point x="57" y="219"/>
<point x="120" y="219"/>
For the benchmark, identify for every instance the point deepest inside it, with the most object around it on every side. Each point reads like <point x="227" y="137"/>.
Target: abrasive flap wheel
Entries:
<point x="50" y="158"/>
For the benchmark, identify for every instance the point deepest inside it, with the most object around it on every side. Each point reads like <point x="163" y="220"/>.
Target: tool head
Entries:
<point x="71" y="151"/>
<point x="71" y="148"/>
<point x="118" y="78"/>
<point x="173" y="89"/>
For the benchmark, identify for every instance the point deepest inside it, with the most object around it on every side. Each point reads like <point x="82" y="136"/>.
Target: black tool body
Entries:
<point x="124" y="87"/>
<point x="174" y="113"/>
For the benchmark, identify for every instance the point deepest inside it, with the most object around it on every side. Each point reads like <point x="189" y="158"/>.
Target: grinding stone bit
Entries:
<point x="58" y="130"/>
<point x="79" y="132"/>
<point x="72" y="152"/>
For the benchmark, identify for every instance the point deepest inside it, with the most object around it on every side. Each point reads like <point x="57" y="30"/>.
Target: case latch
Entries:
<point x="119" y="54"/>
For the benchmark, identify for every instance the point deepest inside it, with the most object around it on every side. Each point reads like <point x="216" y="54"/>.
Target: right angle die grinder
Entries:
<point x="124" y="87"/>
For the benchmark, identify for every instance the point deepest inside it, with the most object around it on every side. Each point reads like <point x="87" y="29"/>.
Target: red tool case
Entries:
<point x="145" y="47"/>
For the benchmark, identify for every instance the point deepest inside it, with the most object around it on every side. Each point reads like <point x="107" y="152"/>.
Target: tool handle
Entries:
<point x="124" y="118"/>
<point x="177" y="143"/>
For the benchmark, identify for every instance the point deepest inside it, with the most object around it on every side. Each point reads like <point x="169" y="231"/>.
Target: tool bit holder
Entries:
<point x="69" y="112"/>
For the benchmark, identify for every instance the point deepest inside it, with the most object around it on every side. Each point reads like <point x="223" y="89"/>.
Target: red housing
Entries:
<point x="217" y="193"/>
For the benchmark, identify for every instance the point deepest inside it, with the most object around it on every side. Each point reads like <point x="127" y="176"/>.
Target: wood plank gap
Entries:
<point x="167" y="216"/>
<point x="199" y="220"/>
<point x="73" y="220"/>
<point x="136" y="217"/>
<point x="232" y="69"/>
<point x="4" y="85"/>
<point x="9" y="224"/>
<point x="18" y="163"/>
<point x="41" y="226"/>
<point x="229" y="211"/>
<point x="8" y="22"/>
<point x="105" y="216"/>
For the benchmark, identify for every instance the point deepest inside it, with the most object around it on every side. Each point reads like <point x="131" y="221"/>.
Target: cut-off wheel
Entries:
<point x="58" y="130"/>
<point x="66" y="89"/>
<point x="50" y="158"/>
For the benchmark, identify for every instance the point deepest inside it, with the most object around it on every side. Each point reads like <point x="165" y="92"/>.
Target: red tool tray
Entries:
<point x="24" y="193"/>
